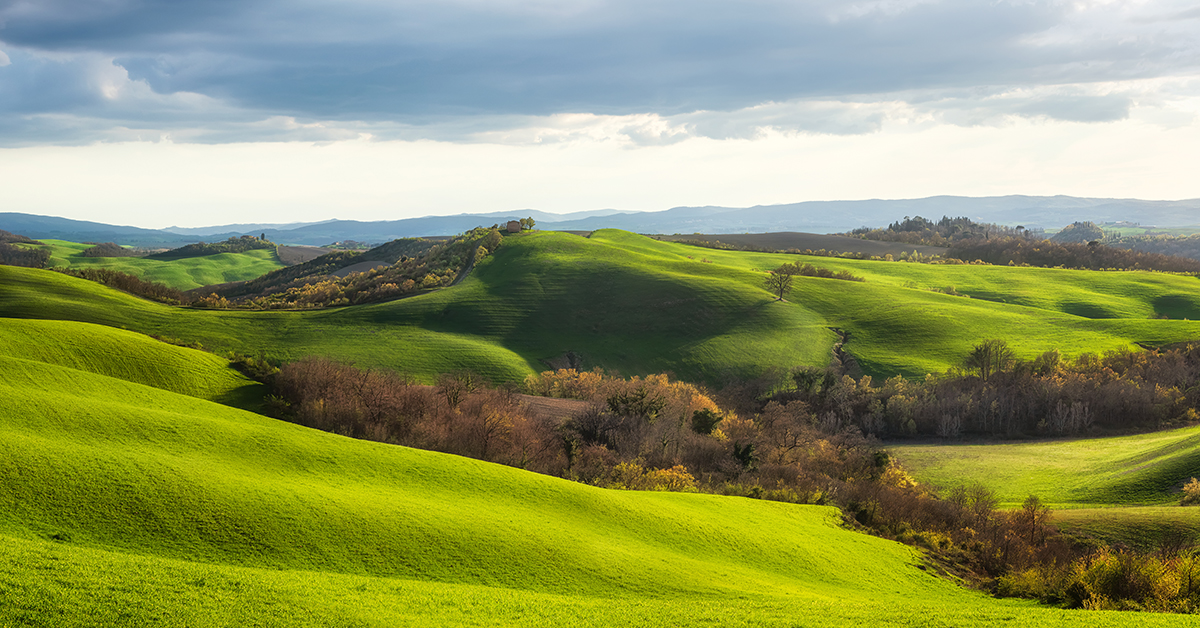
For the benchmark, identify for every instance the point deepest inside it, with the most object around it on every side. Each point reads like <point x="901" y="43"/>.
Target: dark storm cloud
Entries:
<point x="423" y="63"/>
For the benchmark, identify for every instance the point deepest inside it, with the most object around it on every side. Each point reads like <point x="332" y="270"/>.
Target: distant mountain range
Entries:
<point x="810" y="216"/>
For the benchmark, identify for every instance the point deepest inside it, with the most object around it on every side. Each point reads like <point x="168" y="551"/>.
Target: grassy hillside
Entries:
<point x="128" y="356"/>
<point x="1144" y="469"/>
<point x="123" y="504"/>
<point x="1123" y="489"/>
<point x="182" y="274"/>
<point x="636" y="305"/>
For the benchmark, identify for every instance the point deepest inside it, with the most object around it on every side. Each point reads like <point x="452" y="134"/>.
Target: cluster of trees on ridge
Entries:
<point x="1080" y="245"/>
<point x="406" y="266"/>
<point x="1049" y="254"/>
<point x="1179" y="246"/>
<point x="652" y="433"/>
<point x="943" y="233"/>
<point x="108" y="249"/>
<point x="202" y="249"/>
<point x="12" y="255"/>
<point x="1162" y="243"/>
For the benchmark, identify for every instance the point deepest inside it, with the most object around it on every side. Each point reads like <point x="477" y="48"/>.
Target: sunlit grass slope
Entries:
<point x="128" y="356"/>
<point x="898" y="323"/>
<point x="182" y="274"/>
<point x="635" y="305"/>
<point x="1120" y="490"/>
<point x="123" y="504"/>
<point x="1145" y="527"/>
<point x="1145" y="469"/>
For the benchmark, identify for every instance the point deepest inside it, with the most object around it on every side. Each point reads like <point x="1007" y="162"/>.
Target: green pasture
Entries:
<point x="123" y="504"/>
<point x="128" y="356"/>
<point x="634" y="305"/>
<point x="1122" y="489"/>
<point x="1143" y="527"/>
<point x="181" y="274"/>
<point x="1144" y="469"/>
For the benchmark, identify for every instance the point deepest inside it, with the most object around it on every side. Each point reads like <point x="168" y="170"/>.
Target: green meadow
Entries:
<point x="181" y="274"/>
<point x="1123" y="489"/>
<point x="1144" y="469"/>
<point x="127" y="501"/>
<point x="635" y="305"/>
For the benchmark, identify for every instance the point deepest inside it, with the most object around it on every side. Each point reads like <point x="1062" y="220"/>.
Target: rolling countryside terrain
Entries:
<point x="1123" y="489"/>
<point x="634" y="305"/>
<point x="129" y="499"/>
<point x="181" y="274"/>
<point x="140" y="486"/>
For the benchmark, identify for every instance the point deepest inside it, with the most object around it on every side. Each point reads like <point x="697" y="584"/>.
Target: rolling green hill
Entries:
<point x="181" y="274"/>
<point x="123" y="504"/>
<point x="636" y="305"/>
<point x="1121" y="489"/>
<point x="1145" y="469"/>
<point x="128" y="356"/>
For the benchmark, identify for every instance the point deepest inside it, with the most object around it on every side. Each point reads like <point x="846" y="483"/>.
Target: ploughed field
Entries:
<point x="635" y="305"/>
<point x="128" y="497"/>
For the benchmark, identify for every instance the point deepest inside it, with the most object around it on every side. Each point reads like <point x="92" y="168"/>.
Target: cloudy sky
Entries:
<point x="157" y="112"/>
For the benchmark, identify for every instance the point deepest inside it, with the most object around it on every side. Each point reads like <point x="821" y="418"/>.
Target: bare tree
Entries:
<point x="778" y="281"/>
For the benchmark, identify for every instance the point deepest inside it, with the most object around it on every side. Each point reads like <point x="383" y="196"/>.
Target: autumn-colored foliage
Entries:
<point x="406" y="266"/>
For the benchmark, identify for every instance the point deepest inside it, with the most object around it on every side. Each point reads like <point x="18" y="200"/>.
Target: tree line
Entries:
<point x="12" y="255"/>
<point x="993" y="394"/>
<point x="1021" y="251"/>
<point x="1080" y="246"/>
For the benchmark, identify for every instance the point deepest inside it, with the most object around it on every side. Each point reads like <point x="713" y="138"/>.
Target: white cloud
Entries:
<point x="156" y="184"/>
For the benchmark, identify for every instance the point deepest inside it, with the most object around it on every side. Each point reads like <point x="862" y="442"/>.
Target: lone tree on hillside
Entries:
<point x="779" y="281"/>
<point x="989" y="357"/>
<point x="526" y="223"/>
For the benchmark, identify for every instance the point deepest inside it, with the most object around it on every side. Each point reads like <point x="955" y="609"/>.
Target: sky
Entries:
<point x="158" y="113"/>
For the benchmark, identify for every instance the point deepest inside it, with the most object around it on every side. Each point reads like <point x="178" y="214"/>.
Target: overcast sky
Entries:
<point x="157" y="112"/>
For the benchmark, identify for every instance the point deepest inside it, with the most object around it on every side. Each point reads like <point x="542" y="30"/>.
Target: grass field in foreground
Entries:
<point x="182" y="274"/>
<point x="123" y="504"/>
<point x="634" y="305"/>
